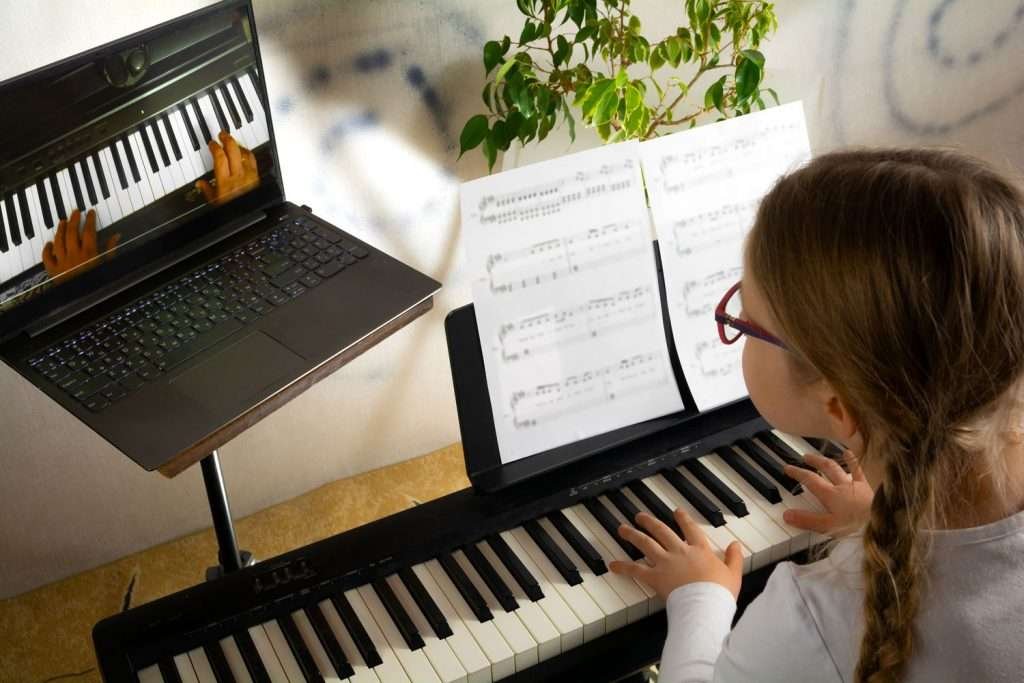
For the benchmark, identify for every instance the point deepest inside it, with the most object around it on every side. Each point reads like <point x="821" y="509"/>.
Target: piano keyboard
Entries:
<point x="518" y="597"/>
<point x="160" y="156"/>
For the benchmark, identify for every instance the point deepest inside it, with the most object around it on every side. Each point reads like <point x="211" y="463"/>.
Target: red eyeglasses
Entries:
<point x="739" y="326"/>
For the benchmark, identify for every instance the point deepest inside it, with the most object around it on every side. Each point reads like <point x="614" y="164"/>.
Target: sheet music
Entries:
<point x="566" y="296"/>
<point x="704" y="186"/>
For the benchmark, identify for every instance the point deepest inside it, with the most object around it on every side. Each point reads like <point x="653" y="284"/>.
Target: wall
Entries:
<point x="368" y="99"/>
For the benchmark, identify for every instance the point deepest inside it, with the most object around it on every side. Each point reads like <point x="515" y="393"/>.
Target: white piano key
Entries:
<point x="26" y="259"/>
<point x="246" y="131"/>
<point x="151" y="674"/>
<point x="548" y="638"/>
<point x="135" y="189"/>
<point x="636" y="600"/>
<point x="575" y="596"/>
<point x="268" y="656"/>
<point x="444" y="661"/>
<point x="461" y="641"/>
<point x="204" y="150"/>
<point x="316" y="648"/>
<point x="597" y="588"/>
<point x="240" y="134"/>
<point x="167" y="177"/>
<point x="204" y="672"/>
<point x="192" y="165"/>
<point x="415" y="662"/>
<point x="283" y="651"/>
<point x="361" y="672"/>
<point x="39" y="225"/>
<point x="390" y="668"/>
<point x="48" y="190"/>
<point x="210" y="116"/>
<point x="185" y="670"/>
<point x="176" y="173"/>
<point x="805" y="500"/>
<point x="259" y="124"/>
<point x="104" y="217"/>
<point x="233" y="656"/>
<point x="66" y="193"/>
<point x="121" y="197"/>
<point x="510" y="627"/>
<point x="485" y="633"/>
<point x="150" y="180"/>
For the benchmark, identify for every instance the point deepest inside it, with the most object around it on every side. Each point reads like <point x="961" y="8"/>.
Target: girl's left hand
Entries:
<point x="673" y="562"/>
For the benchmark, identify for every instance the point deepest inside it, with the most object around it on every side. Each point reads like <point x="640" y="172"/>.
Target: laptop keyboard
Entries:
<point x="113" y="357"/>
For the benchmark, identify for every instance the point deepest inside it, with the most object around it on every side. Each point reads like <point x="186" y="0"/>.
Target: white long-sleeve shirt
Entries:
<point x="807" y="624"/>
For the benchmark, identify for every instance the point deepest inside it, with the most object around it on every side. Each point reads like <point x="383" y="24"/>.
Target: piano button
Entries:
<point x="320" y="659"/>
<point x="233" y="659"/>
<point x="501" y="591"/>
<point x="268" y="658"/>
<point x="509" y="626"/>
<point x="694" y="495"/>
<point x="58" y="200"/>
<point x="155" y="137"/>
<point x="575" y="539"/>
<point x="716" y="486"/>
<point x="486" y="635"/>
<point x="303" y="657"/>
<point x="148" y="146"/>
<point x="201" y="665"/>
<point x="13" y="228"/>
<point x="44" y="205"/>
<point x="240" y="96"/>
<point x="283" y="650"/>
<point x="554" y="554"/>
<point x="189" y="126"/>
<point x="515" y="567"/>
<point x="183" y="665"/>
<point x="359" y="635"/>
<point x="603" y="513"/>
<point x="398" y="614"/>
<point x="361" y="672"/>
<point x="466" y="588"/>
<point x="431" y="612"/>
<point x="589" y="614"/>
<point x="200" y="120"/>
<point x="329" y="643"/>
<point x="656" y="507"/>
<point x="770" y="465"/>
<point x="151" y="674"/>
<point x="390" y="668"/>
<point x="26" y="216"/>
<point x="170" y="135"/>
<point x="742" y="467"/>
<point x="218" y="663"/>
<point x="251" y="657"/>
<point x="437" y="651"/>
<point x="228" y="105"/>
<point x="218" y="110"/>
<point x="101" y="177"/>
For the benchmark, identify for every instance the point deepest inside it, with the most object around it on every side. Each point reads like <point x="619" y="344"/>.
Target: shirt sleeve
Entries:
<point x="699" y="616"/>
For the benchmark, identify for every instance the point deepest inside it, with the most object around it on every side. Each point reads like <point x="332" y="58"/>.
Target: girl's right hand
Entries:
<point x="846" y="497"/>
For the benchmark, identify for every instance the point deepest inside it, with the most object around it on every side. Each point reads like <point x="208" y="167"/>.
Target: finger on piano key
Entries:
<point x="151" y="674"/>
<point x="183" y="664"/>
<point x="589" y="614"/>
<point x="390" y="667"/>
<point x="697" y="497"/>
<point x="283" y="650"/>
<point x="403" y="622"/>
<point x="800" y="500"/>
<point x="251" y="657"/>
<point x="537" y="623"/>
<point x="636" y="600"/>
<point x="201" y="665"/>
<point x="490" y="577"/>
<point x="320" y="659"/>
<point x="716" y="486"/>
<point x="510" y="627"/>
<point x="807" y="499"/>
<point x="624" y="504"/>
<point x="413" y="662"/>
<point x="303" y="657"/>
<point x="44" y="205"/>
<point x="758" y="454"/>
<point x="440" y="655"/>
<point x="569" y="571"/>
<point x="461" y="641"/>
<point x="218" y="662"/>
<point x="355" y="628"/>
<point x="469" y="592"/>
<point x="610" y="518"/>
<point x="149" y="185"/>
<point x="655" y="505"/>
<point x="738" y="464"/>
<point x="233" y="659"/>
<point x="268" y="657"/>
<point x="429" y="608"/>
<point x="361" y="671"/>
<point x="485" y="633"/>
<point x="332" y="648"/>
<point x="587" y="552"/>
<point x="259" y="125"/>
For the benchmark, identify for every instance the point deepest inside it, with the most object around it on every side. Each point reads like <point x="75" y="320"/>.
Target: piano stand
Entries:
<point x="231" y="558"/>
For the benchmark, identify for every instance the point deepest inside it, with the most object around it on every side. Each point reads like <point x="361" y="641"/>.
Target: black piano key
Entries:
<point x="466" y="588"/>
<point x="410" y="634"/>
<point x="203" y="128"/>
<point x="225" y="96"/>
<point x="516" y="567"/>
<point x="218" y="662"/>
<point x="222" y="119"/>
<point x="90" y="189"/>
<point x="625" y="506"/>
<point x="610" y="523"/>
<point x="76" y="189"/>
<point x="188" y="126"/>
<point x="161" y="147"/>
<point x="26" y="215"/>
<point x="717" y="487"/>
<point x="422" y="598"/>
<point x="326" y="637"/>
<point x="577" y="542"/>
<point x="149" y="149"/>
<point x="694" y="496"/>
<point x="133" y="165"/>
<point x="303" y="657"/>
<point x="58" y="201"/>
<point x="355" y="629"/>
<point x="169" y="671"/>
<point x="169" y="130"/>
<point x="240" y="96"/>
<point x="782" y="449"/>
<point x="251" y="658"/>
<point x="3" y="235"/>
<point x="255" y="78"/>
<point x="101" y="177"/>
<point x="769" y="464"/>
<point x="116" y="155"/>
<point x="750" y="475"/>
<point x="551" y="550"/>
<point x="655" y="505"/>
<point x="44" y="205"/>
<point x="12" y="221"/>
<point x="501" y="592"/>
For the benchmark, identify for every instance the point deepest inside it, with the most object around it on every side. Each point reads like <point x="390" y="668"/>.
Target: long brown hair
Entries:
<point x="897" y="275"/>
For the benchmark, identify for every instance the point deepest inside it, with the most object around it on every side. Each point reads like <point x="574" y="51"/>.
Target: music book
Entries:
<point x="566" y="287"/>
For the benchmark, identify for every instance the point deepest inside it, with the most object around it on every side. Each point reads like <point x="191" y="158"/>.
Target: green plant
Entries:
<point x="529" y="86"/>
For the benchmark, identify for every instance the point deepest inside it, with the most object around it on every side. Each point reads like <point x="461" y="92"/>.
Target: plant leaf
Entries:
<point x="713" y="96"/>
<point x="748" y="76"/>
<point x="473" y="133"/>
<point x="503" y="71"/>
<point x="492" y="55"/>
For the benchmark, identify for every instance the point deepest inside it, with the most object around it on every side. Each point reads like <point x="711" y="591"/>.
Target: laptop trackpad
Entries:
<point x="240" y="375"/>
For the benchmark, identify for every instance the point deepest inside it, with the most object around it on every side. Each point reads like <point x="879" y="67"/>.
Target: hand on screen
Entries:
<point x="73" y="245"/>
<point x="234" y="171"/>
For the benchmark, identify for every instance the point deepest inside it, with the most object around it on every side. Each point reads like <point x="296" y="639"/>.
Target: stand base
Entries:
<point x="214" y="573"/>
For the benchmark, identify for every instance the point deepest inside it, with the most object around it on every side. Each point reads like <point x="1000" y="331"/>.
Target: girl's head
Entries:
<point x="896" y="279"/>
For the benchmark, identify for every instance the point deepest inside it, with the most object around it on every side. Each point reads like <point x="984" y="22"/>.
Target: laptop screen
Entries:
<point x="115" y="157"/>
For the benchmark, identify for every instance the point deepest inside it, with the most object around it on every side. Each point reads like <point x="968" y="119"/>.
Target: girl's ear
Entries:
<point x="841" y="420"/>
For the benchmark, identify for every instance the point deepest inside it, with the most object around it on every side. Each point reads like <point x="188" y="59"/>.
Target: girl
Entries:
<point x="883" y="292"/>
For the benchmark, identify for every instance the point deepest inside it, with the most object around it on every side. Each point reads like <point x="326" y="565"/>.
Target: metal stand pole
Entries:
<point x="230" y="557"/>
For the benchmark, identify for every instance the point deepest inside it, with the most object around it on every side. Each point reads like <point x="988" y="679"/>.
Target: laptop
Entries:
<point x="159" y="287"/>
